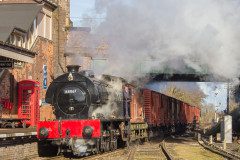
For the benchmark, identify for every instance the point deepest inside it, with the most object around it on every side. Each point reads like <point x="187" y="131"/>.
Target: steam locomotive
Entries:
<point x="92" y="114"/>
<point x="89" y="115"/>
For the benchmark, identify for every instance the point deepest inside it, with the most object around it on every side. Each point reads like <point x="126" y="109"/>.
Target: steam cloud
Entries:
<point x="195" y="33"/>
<point x="111" y="108"/>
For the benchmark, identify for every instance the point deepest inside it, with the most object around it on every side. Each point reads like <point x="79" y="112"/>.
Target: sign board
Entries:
<point x="18" y="64"/>
<point x="44" y="76"/>
<point x="6" y="64"/>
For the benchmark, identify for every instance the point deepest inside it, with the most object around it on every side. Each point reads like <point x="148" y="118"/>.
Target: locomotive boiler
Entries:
<point x="77" y="95"/>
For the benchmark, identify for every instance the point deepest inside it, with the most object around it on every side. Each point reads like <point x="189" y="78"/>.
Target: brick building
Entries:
<point x="36" y="33"/>
<point x="86" y="49"/>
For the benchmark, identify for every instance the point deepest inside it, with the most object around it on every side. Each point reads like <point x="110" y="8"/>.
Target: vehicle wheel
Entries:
<point x="102" y="146"/>
<point x="127" y="144"/>
<point x="24" y="125"/>
<point x="13" y="125"/>
<point x="115" y="144"/>
<point x="138" y="142"/>
<point x="45" y="149"/>
<point x="107" y="146"/>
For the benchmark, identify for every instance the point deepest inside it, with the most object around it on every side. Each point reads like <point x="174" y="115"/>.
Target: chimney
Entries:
<point x="73" y="68"/>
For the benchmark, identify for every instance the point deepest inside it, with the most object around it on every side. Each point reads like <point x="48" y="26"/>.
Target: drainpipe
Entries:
<point x="59" y="62"/>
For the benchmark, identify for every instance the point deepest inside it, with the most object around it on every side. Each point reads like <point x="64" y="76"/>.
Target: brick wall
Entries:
<point x="44" y="49"/>
<point x="5" y="85"/>
<point x="17" y="152"/>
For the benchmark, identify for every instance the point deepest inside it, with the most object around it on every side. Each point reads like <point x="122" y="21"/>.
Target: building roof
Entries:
<point x="17" y="1"/>
<point x="50" y="3"/>
<point x="17" y="53"/>
<point x="17" y="16"/>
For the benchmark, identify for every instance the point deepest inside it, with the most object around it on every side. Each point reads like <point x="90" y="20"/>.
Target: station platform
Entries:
<point x="17" y="132"/>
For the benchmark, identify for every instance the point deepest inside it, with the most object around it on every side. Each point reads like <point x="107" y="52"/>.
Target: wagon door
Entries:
<point x="161" y="110"/>
<point x="171" y="100"/>
<point x="147" y="105"/>
<point x="177" y="112"/>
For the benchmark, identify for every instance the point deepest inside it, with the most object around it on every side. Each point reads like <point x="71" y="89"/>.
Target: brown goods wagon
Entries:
<point x="188" y="112"/>
<point x="147" y="94"/>
<point x="136" y="108"/>
<point x="177" y="111"/>
<point x="167" y="106"/>
<point x="151" y="107"/>
<point x="155" y="116"/>
<point x="172" y="110"/>
<point x="154" y="107"/>
<point x="192" y="113"/>
<point x="197" y="113"/>
<point x="162" y="111"/>
<point x="183" y="114"/>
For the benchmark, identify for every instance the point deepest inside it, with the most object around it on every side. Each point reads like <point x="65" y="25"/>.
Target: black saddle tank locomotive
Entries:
<point x="77" y="95"/>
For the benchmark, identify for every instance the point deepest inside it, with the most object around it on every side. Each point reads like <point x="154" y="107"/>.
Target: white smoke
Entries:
<point x="198" y="34"/>
<point x="111" y="108"/>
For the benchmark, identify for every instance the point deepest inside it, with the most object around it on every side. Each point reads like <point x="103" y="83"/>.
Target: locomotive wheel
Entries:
<point x="107" y="147"/>
<point x="13" y="125"/>
<point x="98" y="146"/>
<point x="102" y="145"/>
<point x="127" y="144"/>
<point x="45" y="149"/>
<point x="24" y="125"/>
<point x="113" y="145"/>
<point x="138" y="142"/>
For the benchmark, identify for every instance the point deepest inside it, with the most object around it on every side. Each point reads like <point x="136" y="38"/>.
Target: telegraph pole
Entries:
<point x="228" y="109"/>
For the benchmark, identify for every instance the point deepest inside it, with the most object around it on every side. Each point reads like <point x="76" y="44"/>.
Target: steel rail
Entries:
<point x="218" y="150"/>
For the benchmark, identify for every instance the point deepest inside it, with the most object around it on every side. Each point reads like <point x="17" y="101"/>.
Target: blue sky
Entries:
<point x="216" y="93"/>
<point x="80" y="7"/>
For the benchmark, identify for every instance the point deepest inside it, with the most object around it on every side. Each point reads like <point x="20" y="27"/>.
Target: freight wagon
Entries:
<point x="163" y="112"/>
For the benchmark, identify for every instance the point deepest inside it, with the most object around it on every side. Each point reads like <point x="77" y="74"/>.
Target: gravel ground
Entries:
<point x="188" y="149"/>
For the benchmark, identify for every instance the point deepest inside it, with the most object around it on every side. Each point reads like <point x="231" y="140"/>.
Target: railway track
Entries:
<point x="151" y="150"/>
<point x="188" y="148"/>
<point x="219" y="150"/>
<point x="170" y="148"/>
<point x="117" y="154"/>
